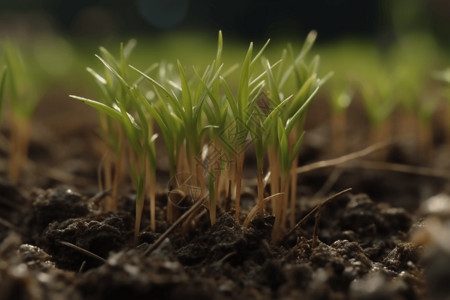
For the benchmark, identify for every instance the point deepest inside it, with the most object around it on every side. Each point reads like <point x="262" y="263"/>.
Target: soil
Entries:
<point x="56" y="241"/>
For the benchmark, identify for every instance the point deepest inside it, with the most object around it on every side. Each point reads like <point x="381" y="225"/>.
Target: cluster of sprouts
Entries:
<point x="207" y="124"/>
<point x="22" y="89"/>
<point x="394" y="85"/>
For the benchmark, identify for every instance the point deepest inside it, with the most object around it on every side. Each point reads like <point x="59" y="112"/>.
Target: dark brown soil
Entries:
<point x="365" y="247"/>
<point x="362" y="253"/>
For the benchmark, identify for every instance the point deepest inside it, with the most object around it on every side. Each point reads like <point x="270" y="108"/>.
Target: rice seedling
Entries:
<point x="217" y="114"/>
<point x="217" y="152"/>
<point x="243" y="106"/>
<point x="3" y="74"/>
<point x="179" y="112"/>
<point x="411" y="60"/>
<point x="287" y="127"/>
<point x="354" y="63"/>
<point x="111" y="88"/>
<point x="340" y="96"/>
<point x="391" y="83"/>
<point x="206" y="126"/>
<point x="23" y="89"/>
<point x="119" y="101"/>
<point x="170" y="127"/>
<point x="444" y="76"/>
<point x="380" y="102"/>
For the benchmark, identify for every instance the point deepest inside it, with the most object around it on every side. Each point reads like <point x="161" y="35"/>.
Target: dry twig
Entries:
<point x="181" y="219"/>
<point x="316" y="209"/>
<point x="84" y="251"/>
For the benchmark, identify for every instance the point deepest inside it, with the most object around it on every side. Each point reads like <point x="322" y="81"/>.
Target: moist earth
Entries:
<point x="56" y="241"/>
<point x="362" y="251"/>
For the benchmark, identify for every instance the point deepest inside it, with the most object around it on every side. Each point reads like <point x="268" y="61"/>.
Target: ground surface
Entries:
<point x="363" y="251"/>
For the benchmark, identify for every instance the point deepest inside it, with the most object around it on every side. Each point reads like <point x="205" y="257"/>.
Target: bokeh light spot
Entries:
<point x="163" y="13"/>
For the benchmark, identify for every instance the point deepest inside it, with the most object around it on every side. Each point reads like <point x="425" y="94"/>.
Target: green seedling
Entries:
<point x="179" y="112"/>
<point x="120" y="100"/>
<point x="159" y="103"/>
<point x="444" y="76"/>
<point x="23" y="89"/>
<point x="375" y="85"/>
<point x="300" y="81"/>
<point x="205" y="126"/>
<point x="355" y="64"/>
<point x="112" y="89"/>
<point x="218" y="153"/>
<point x="380" y="102"/>
<point x="3" y="74"/>
<point x="392" y="85"/>
<point x="340" y="95"/>
<point x="217" y="115"/>
<point x="411" y="60"/>
<point x="242" y="107"/>
<point x="161" y="111"/>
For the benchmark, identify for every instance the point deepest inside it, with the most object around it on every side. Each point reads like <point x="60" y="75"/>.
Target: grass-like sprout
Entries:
<point x="340" y="97"/>
<point x="171" y="128"/>
<point x="242" y="108"/>
<point x="3" y="74"/>
<point x="180" y="115"/>
<point x="379" y="100"/>
<point x="23" y="90"/>
<point x="206" y="126"/>
<point x="375" y="85"/>
<point x="217" y="114"/>
<point x="444" y="76"/>
<point x="411" y="60"/>
<point x="218" y="153"/>
<point x="121" y="99"/>
<point x="112" y="133"/>
<point x="286" y="126"/>
<point x="392" y="85"/>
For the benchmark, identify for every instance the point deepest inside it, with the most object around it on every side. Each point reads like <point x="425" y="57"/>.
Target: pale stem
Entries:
<point x="380" y="134"/>
<point x="213" y="208"/>
<point x="120" y="156"/>
<point x="425" y="137"/>
<point x="274" y="167"/>
<point x="260" y="178"/>
<point x="105" y="183"/>
<point x="293" y="193"/>
<point x="180" y="169"/>
<point x="151" y="191"/>
<point x="285" y="184"/>
<point x="200" y="178"/>
<point x="280" y="211"/>
<point x="139" y="208"/>
<point x="239" y="172"/>
<point x="338" y="129"/>
<point x="20" y="138"/>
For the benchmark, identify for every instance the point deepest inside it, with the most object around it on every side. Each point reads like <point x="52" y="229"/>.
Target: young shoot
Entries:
<point x="121" y="105"/>
<point x="242" y="107"/>
<point x="23" y="89"/>
<point x="340" y="95"/>
<point x="206" y="127"/>
<point x="444" y="76"/>
<point x="3" y="74"/>
<point x="179" y="114"/>
<point x="111" y="89"/>
<point x="181" y="109"/>
<point x="379" y="102"/>
<point x="299" y="81"/>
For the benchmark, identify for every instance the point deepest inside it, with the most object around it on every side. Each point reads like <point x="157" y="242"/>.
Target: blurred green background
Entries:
<point x="387" y="56"/>
<point x="380" y="20"/>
